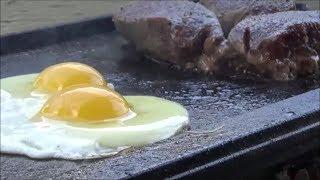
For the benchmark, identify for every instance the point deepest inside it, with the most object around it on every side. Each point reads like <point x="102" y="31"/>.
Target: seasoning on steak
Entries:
<point x="230" y="12"/>
<point x="181" y="32"/>
<point x="282" y="45"/>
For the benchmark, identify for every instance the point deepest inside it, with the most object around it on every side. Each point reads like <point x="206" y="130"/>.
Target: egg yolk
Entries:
<point x="85" y="104"/>
<point x="61" y="76"/>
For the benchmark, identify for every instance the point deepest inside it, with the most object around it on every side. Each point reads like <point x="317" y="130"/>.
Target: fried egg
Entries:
<point x="53" y="114"/>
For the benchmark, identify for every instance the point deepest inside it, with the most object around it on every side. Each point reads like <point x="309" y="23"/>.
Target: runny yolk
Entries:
<point x="85" y="104"/>
<point x="61" y="76"/>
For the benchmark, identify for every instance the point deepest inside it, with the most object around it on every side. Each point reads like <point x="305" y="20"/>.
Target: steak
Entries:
<point x="281" y="45"/>
<point x="230" y="12"/>
<point x="183" y="33"/>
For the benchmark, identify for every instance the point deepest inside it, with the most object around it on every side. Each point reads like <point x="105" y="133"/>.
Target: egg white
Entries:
<point x="23" y="133"/>
<point x="43" y="139"/>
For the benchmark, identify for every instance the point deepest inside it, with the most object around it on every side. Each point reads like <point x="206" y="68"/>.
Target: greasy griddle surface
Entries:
<point x="210" y="101"/>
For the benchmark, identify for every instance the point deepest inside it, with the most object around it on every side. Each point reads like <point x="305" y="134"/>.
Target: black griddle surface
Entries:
<point x="210" y="101"/>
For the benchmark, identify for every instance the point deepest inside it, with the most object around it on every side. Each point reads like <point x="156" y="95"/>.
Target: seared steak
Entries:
<point x="230" y="12"/>
<point x="282" y="45"/>
<point x="180" y="32"/>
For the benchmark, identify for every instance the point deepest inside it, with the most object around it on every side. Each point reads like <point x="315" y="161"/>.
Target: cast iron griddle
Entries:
<point x="217" y="133"/>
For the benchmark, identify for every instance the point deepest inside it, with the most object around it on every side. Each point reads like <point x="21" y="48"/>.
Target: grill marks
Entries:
<point x="246" y="40"/>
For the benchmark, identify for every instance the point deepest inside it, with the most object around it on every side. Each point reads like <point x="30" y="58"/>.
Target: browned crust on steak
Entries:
<point x="282" y="45"/>
<point x="176" y="31"/>
<point x="230" y="12"/>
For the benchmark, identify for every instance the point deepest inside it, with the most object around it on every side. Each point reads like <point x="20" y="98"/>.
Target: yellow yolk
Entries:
<point x="61" y="76"/>
<point x="85" y="104"/>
